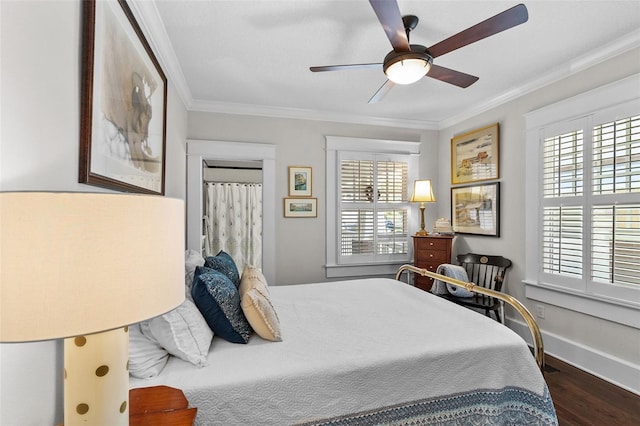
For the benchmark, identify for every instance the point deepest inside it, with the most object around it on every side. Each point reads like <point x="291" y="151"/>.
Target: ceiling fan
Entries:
<point x="408" y="63"/>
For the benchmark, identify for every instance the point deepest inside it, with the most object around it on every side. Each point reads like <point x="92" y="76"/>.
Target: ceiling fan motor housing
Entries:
<point x="418" y="57"/>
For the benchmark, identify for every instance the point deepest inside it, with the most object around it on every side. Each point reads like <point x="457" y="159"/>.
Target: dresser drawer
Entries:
<point x="434" y="244"/>
<point x="428" y="257"/>
<point x="429" y="253"/>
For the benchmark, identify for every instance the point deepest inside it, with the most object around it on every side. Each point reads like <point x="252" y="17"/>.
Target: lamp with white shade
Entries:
<point x="422" y="193"/>
<point x="84" y="266"/>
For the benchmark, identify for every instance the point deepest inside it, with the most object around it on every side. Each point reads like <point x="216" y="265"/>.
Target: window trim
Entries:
<point x="606" y="101"/>
<point x="335" y="144"/>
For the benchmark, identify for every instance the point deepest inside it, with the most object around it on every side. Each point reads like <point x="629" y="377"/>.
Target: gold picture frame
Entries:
<point x="300" y="181"/>
<point x="475" y="155"/>
<point x="300" y="207"/>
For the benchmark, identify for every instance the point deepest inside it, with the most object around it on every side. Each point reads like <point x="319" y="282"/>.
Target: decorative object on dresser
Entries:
<point x="428" y="253"/>
<point x="160" y="406"/>
<point x="442" y="226"/>
<point x="105" y="261"/>
<point x="422" y="193"/>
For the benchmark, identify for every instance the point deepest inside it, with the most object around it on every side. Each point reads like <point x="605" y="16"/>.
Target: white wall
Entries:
<point x="39" y="150"/>
<point x="300" y="243"/>
<point x="585" y="341"/>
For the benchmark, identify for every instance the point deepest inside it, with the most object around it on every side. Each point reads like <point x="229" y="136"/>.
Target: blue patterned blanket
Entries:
<point x="452" y="271"/>
<point x="508" y="406"/>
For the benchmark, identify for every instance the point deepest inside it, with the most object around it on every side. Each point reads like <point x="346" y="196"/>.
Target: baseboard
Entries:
<point x="612" y="369"/>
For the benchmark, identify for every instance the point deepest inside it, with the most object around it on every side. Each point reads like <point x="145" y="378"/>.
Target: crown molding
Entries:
<point x="152" y="26"/>
<point x="567" y="69"/>
<point x="307" y="114"/>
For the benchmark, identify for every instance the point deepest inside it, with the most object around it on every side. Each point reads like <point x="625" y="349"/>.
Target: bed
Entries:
<point x="363" y="352"/>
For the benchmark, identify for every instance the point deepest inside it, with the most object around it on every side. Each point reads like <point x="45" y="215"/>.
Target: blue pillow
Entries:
<point x="219" y="302"/>
<point x="223" y="263"/>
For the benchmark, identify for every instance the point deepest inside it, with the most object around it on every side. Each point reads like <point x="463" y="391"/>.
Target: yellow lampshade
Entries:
<point x="423" y="192"/>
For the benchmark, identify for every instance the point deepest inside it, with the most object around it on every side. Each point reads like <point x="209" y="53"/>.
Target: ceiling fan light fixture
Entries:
<point x="407" y="67"/>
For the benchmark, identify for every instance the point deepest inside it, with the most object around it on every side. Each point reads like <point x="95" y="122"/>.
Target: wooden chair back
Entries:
<point x="485" y="271"/>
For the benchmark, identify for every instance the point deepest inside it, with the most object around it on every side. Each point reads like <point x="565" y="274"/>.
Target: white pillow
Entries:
<point x="261" y="315"/>
<point x="146" y="357"/>
<point x="192" y="259"/>
<point x="183" y="332"/>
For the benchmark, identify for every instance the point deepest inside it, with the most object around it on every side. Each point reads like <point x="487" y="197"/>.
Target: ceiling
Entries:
<point x="254" y="56"/>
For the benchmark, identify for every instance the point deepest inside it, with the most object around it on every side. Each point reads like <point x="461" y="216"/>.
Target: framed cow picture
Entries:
<point x="124" y="103"/>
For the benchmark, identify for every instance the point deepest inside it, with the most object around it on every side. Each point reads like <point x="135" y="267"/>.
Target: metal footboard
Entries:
<point x="538" y="349"/>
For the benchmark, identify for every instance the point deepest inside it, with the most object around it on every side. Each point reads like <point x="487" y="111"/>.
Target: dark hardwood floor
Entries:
<point x="583" y="399"/>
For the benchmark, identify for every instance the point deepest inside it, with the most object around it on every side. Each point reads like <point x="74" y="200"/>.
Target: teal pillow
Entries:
<point x="219" y="302"/>
<point x="223" y="263"/>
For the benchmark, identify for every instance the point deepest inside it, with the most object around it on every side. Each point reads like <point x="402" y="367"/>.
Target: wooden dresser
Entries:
<point x="428" y="253"/>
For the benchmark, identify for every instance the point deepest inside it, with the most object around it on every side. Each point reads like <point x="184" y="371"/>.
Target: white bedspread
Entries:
<point x="352" y="346"/>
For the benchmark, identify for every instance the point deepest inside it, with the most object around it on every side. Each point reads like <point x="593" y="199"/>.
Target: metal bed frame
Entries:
<point x="538" y="348"/>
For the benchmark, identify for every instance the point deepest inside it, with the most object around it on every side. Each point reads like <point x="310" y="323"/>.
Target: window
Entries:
<point x="368" y="208"/>
<point x="583" y="206"/>
<point x="373" y="208"/>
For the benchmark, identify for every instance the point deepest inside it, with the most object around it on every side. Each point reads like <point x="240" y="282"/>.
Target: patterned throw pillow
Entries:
<point x="218" y="300"/>
<point x="223" y="263"/>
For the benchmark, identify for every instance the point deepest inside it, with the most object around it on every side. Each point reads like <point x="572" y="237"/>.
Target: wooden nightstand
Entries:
<point x="429" y="252"/>
<point x="159" y="406"/>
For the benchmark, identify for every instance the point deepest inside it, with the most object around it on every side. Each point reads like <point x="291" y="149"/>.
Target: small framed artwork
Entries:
<point x="475" y="155"/>
<point x="299" y="181"/>
<point x="475" y="209"/>
<point x="300" y="207"/>
<point x="124" y="103"/>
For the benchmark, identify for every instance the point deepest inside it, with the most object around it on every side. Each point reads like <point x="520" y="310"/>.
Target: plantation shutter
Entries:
<point x="562" y="229"/>
<point x="373" y="208"/>
<point x="615" y="246"/>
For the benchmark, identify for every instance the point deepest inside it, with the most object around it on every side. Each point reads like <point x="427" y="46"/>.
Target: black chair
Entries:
<point x="484" y="271"/>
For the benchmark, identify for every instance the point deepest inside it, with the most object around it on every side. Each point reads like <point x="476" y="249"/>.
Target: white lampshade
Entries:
<point x="80" y="263"/>
<point x="84" y="266"/>
<point x="423" y="192"/>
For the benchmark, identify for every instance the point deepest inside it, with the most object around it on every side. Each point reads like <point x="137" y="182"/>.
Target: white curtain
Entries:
<point x="233" y="222"/>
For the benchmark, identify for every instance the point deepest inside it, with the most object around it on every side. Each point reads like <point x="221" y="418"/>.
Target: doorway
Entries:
<point x="199" y="151"/>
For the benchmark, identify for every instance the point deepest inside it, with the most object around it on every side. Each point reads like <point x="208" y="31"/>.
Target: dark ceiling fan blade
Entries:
<point x="345" y="67"/>
<point x="450" y="76"/>
<point x="389" y="16"/>
<point x="381" y="92"/>
<point x="502" y="21"/>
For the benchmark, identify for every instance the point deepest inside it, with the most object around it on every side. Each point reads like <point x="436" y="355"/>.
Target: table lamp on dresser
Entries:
<point x="82" y="267"/>
<point x="422" y="193"/>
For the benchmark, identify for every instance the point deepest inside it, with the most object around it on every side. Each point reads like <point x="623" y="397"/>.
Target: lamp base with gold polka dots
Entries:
<point x="96" y="379"/>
